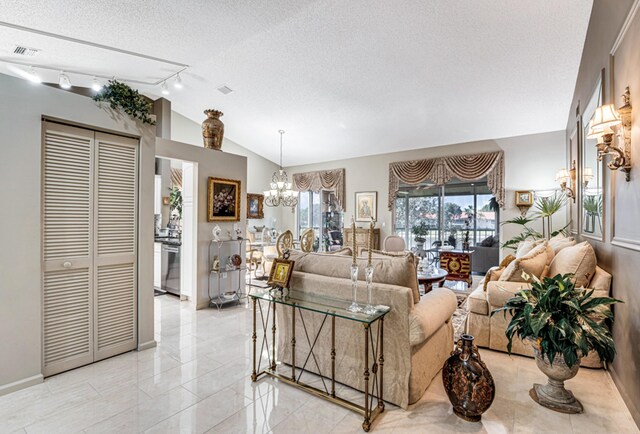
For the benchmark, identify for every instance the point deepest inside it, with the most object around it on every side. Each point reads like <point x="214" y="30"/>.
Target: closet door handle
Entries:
<point x="67" y="264"/>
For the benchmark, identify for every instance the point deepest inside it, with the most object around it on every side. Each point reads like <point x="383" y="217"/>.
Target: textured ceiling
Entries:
<point x="343" y="78"/>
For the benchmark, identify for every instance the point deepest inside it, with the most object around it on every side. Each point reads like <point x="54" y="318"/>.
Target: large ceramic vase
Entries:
<point x="213" y="130"/>
<point x="467" y="381"/>
<point x="553" y="395"/>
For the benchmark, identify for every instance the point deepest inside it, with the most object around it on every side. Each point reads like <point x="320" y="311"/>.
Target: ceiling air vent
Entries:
<point x="225" y="90"/>
<point x="25" y="51"/>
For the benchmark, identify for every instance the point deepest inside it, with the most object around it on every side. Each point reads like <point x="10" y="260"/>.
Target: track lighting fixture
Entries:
<point x="178" y="82"/>
<point x="64" y="81"/>
<point x="165" y="88"/>
<point x="96" y="85"/>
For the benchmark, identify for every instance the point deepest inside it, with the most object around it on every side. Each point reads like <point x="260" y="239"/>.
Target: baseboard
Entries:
<point x="635" y="412"/>
<point x="21" y="384"/>
<point x="147" y="345"/>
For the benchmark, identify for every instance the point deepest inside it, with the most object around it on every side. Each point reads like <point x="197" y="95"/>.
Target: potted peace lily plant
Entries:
<point x="563" y="323"/>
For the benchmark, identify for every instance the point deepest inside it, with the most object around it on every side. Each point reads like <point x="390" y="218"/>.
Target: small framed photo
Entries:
<point x="366" y="206"/>
<point x="280" y="274"/>
<point x="524" y="198"/>
<point x="254" y="206"/>
<point x="223" y="200"/>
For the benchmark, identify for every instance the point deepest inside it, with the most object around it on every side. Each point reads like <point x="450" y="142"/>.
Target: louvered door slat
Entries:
<point x="116" y="208"/>
<point x="67" y="209"/>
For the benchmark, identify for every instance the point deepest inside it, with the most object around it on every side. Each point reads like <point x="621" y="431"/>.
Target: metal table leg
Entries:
<point x="366" y="425"/>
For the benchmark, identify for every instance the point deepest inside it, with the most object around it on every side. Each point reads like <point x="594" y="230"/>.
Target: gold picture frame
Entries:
<point x="366" y="206"/>
<point x="223" y="200"/>
<point x="280" y="274"/>
<point x="255" y="206"/>
<point x="524" y="198"/>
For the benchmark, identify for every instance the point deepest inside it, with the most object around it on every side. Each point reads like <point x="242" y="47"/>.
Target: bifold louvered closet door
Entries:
<point x="90" y="188"/>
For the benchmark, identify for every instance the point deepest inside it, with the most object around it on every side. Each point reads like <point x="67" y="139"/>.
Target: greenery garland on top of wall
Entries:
<point x="123" y="97"/>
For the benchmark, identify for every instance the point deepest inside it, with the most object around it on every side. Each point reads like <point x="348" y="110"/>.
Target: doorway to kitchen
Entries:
<point x="175" y="226"/>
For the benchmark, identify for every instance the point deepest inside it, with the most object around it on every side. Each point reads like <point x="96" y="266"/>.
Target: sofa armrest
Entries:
<point x="498" y="292"/>
<point x="427" y="316"/>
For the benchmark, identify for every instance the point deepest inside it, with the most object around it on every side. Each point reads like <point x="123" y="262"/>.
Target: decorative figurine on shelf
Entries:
<point x="354" y="307"/>
<point x="217" y="231"/>
<point x="216" y="264"/>
<point x="238" y="231"/>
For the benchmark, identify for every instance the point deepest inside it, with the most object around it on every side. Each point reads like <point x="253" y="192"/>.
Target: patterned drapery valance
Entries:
<point x="441" y="170"/>
<point x="322" y="180"/>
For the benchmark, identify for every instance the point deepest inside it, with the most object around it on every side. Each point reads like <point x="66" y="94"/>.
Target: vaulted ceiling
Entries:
<point x="343" y="78"/>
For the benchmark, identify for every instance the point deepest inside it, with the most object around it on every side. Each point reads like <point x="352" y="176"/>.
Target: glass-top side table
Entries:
<point x="300" y="303"/>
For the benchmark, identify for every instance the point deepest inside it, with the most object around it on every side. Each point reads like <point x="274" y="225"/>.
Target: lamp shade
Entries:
<point x="562" y="175"/>
<point x="605" y="116"/>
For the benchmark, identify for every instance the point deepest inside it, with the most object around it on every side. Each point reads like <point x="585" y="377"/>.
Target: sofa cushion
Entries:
<point x="507" y="260"/>
<point x="579" y="260"/>
<point x="601" y="282"/>
<point x="526" y="246"/>
<point x="533" y="263"/>
<point x="392" y="270"/>
<point x="428" y="316"/>
<point x="477" y="302"/>
<point x="499" y="292"/>
<point x="487" y="242"/>
<point x="559" y="242"/>
<point x="494" y="273"/>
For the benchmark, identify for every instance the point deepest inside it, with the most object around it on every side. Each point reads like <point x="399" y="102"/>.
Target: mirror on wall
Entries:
<point x="590" y="175"/>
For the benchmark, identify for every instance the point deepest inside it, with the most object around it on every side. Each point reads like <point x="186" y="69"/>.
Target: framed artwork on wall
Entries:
<point x="524" y="198"/>
<point x="255" y="203"/>
<point x="223" y="200"/>
<point x="366" y="206"/>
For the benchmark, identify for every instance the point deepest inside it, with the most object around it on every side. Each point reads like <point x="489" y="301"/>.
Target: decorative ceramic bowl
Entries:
<point x="229" y="295"/>
<point x="236" y="260"/>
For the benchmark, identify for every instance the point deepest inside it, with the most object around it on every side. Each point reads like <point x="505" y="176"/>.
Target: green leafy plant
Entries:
<point x="122" y="97"/>
<point x="561" y="319"/>
<point x="545" y="207"/>
<point x="420" y="230"/>
<point x="592" y="205"/>
<point x="175" y="200"/>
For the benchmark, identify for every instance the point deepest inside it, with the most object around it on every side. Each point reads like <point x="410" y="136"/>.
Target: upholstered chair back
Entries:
<point x="306" y="240"/>
<point x="394" y="243"/>
<point x="284" y="242"/>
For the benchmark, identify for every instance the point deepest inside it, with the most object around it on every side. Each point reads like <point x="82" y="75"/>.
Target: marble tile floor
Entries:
<point x="197" y="380"/>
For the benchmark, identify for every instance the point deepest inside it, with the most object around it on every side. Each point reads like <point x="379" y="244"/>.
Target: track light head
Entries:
<point x="178" y="82"/>
<point x="165" y="88"/>
<point x="64" y="81"/>
<point x="96" y="85"/>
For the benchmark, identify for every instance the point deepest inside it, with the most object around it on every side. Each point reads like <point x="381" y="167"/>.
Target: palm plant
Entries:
<point x="561" y="319"/>
<point x="546" y="207"/>
<point x="175" y="201"/>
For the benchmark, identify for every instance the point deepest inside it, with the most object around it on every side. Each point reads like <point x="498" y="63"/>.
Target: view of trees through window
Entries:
<point x="447" y="212"/>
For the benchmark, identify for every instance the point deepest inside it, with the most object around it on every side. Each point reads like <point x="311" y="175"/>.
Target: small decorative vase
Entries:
<point x="467" y="381"/>
<point x="553" y="395"/>
<point x="465" y="246"/>
<point x="213" y="130"/>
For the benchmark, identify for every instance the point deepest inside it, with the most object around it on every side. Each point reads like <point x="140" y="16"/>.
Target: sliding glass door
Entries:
<point x="446" y="212"/>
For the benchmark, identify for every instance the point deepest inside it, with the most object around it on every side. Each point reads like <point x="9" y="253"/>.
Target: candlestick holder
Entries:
<point x="369" y="309"/>
<point x="354" y="307"/>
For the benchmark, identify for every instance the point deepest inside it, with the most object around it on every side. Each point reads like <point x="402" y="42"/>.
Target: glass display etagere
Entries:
<point x="226" y="276"/>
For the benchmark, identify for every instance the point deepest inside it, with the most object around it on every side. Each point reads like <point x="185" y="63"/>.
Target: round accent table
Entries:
<point x="438" y="276"/>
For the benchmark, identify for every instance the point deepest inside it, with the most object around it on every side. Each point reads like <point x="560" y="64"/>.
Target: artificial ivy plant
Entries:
<point x="122" y="97"/>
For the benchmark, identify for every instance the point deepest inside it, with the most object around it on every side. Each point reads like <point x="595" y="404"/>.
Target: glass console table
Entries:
<point x="331" y="308"/>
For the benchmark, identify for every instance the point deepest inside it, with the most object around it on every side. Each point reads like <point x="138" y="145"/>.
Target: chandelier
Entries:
<point x="281" y="192"/>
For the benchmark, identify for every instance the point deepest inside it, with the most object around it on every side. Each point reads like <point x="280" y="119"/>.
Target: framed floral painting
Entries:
<point x="223" y="200"/>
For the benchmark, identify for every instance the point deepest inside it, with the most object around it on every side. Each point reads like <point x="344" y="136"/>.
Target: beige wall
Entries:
<point x="259" y="169"/>
<point x="209" y="163"/>
<point x="531" y="163"/>
<point x="21" y="107"/>
<point x="619" y="253"/>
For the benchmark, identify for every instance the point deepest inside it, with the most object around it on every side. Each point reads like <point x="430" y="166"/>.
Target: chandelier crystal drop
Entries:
<point x="280" y="192"/>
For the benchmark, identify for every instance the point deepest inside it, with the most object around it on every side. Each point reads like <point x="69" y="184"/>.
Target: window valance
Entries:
<point x="322" y="180"/>
<point x="441" y="170"/>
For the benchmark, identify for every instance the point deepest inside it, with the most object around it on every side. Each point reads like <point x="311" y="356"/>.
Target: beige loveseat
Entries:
<point x="489" y="331"/>
<point x="418" y="334"/>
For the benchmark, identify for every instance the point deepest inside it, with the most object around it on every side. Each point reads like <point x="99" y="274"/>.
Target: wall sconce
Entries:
<point x="567" y="179"/>
<point x="600" y="128"/>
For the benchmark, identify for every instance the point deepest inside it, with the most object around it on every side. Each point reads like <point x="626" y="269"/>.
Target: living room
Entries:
<point x="380" y="217"/>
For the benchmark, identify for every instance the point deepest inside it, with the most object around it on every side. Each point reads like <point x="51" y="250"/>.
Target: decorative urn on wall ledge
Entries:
<point x="213" y="130"/>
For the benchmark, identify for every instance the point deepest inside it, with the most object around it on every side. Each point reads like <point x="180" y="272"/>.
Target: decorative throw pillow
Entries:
<point x="559" y="242"/>
<point x="526" y="246"/>
<point x="579" y="260"/>
<point x="533" y="263"/>
<point x="494" y="273"/>
<point x="507" y="260"/>
<point x="487" y="242"/>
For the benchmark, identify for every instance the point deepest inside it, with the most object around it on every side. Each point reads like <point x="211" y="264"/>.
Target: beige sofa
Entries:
<point x="418" y="334"/>
<point x="489" y="331"/>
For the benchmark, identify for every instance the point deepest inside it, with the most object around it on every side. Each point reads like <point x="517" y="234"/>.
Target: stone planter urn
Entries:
<point x="553" y="395"/>
<point x="467" y="381"/>
<point x="213" y="130"/>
